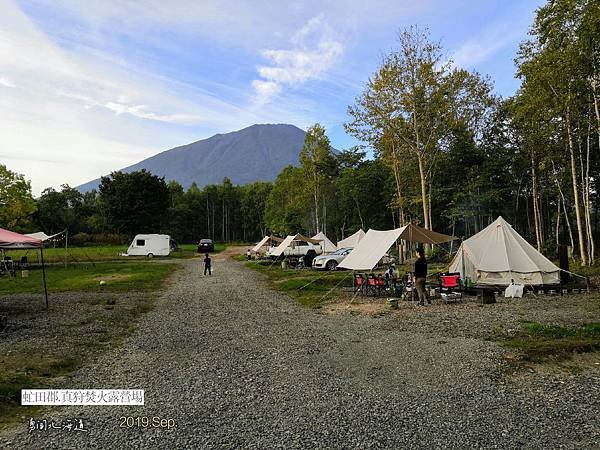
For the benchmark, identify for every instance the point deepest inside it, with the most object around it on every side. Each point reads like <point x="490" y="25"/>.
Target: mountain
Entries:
<point x="255" y="153"/>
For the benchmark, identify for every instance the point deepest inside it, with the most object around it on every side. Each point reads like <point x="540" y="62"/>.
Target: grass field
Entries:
<point x="540" y="343"/>
<point x="310" y="287"/>
<point x="118" y="276"/>
<point x="99" y="253"/>
<point x="40" y="347"/>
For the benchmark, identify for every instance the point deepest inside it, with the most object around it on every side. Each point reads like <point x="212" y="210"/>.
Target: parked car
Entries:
<point x="206" y="246"/>
<point x="331" y="261"/>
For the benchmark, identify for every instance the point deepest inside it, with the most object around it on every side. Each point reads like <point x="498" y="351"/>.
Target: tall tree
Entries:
<point x="410" y="106"/>
<point x="16" y="202"/>
<point x="134" y="202"/>
<point x="318" y="164"/>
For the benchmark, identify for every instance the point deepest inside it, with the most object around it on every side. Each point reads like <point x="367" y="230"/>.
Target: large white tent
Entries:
<point x="376" y="244"/>
<point x="351" y="241"/>
<point x="498" y="254"/>
<point x="326" y="244"/>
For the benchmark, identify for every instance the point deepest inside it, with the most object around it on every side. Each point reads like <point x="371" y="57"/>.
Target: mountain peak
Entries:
<point x="255" y="153"/>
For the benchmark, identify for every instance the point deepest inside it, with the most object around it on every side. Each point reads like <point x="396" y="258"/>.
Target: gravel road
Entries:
<point x="237" y="365"/>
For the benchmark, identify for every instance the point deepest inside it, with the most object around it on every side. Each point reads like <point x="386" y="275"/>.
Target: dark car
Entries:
<point x="206" y="245"/>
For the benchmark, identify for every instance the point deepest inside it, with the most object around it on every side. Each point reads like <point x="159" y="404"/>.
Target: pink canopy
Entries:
<point x="10" y="239"/>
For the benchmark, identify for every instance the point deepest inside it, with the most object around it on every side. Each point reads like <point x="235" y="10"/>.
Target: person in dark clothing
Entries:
<point x="207" y="264"/>
<point x="420" y="277"/>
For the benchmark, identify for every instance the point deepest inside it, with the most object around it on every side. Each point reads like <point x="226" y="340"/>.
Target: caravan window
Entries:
<point x="140" y="242"/>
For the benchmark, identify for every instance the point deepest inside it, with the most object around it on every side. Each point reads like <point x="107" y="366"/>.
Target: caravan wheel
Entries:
<point x="150" y="255"/>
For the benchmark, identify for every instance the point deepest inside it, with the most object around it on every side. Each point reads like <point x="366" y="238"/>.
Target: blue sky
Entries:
<point x="89" y="87"/>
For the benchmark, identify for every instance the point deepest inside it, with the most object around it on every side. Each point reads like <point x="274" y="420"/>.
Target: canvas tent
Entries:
<point x="326" y="244"/>
<point x="10" y="240"/>
<point x="351" y="241"/>
<point x="265" y="242"/>
<point x="288" y="241"/>
<point x="375" y="245"/>
<point x="498" y="254"/>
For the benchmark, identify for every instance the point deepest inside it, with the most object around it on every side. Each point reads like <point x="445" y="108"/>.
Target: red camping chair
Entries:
<point x="450" y="283"/>
<point x="379" y="283"/>
<point x="371" y="284"/>
<point x="359" y="283"/>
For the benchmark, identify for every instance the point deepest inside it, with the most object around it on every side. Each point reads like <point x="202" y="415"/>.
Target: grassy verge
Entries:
<point x="307" y="286"/>
<point x="539" y="343"/>
<point x="310" y="286"/>
<point x="40" y="348"/>
<point x="117" y="276"/>
<point x="99" y="253"/>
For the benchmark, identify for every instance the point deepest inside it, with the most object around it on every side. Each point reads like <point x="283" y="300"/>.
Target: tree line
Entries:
<point x="438" y="148"/>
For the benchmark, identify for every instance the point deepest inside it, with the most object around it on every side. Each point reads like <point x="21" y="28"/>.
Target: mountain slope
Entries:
<point x="255" y="153"/>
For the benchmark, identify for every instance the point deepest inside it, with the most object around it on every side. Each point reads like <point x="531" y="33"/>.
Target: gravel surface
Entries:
<point x="238" y="365"/>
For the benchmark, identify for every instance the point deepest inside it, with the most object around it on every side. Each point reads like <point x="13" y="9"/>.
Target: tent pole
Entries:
<point x="44" y="274"/>
<point x="66" y="246"/>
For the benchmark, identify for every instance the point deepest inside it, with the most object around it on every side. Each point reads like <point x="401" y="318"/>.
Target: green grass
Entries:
<point x="309" y="287"/>
<point x="293" y="281"/>
<point x="545" y="342"/>
<point x="119" y="276"/>
<point x="86" y="325"/>
<point x="99" y="253"/>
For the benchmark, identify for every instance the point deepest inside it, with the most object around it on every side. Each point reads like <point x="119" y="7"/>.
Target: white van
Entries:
<point x="150" y="245"/>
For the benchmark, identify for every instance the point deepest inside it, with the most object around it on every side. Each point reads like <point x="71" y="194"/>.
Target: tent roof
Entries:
<point x="414" y="233"/>
<point x="352" y="240"/>
<point x="288" y="241"/>
<point x="10" y="239"/>
<point x="264" y="241"/>
<point x="499" y="248"/>
<point x="370" y="249"/>
<point x="375" y="245"/>
<point x="326" y="244"/>
<point x="260" y="244"/>
<point x="281" y="247"/>
<point x="42" y="236"/>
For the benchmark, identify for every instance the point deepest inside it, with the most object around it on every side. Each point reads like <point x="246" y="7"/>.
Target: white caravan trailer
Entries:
<point x="150" y="245"/>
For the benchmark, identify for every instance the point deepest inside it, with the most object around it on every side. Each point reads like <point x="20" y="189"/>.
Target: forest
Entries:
<point x="438" y="148"/>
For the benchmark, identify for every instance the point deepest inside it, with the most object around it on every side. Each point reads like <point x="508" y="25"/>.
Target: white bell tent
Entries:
<point x="351" y="241"/>
<point x="498" y="254"/>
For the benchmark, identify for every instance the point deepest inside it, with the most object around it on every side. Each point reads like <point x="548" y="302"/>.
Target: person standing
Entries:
<point x="207" y="265"/>
<point x="420" y="277"/>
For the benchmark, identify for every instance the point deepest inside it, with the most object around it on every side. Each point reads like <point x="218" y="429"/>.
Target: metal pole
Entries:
<point x="44" y="274"/>
<point x="66" y="246"/>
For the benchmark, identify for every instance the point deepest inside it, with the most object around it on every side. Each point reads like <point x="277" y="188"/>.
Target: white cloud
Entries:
<point x="486" y="44"/>
<point x="7" y="83"/>
<point x="315" y="50"/>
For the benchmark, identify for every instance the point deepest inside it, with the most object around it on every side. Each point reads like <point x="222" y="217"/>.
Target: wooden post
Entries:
<point x="44" y="274"/>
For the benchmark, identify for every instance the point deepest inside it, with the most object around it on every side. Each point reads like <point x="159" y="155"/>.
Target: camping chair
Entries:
<point x="371" y="284"/>
<point x="379" y="283"/>
<point x="450" y="285"/>
<point x="359" y="283"/>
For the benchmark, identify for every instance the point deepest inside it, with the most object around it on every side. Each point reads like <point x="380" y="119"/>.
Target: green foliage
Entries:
<point x="16" y="201"/>
<point x="287" y="205"/>
<point x="134" y="202"/>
